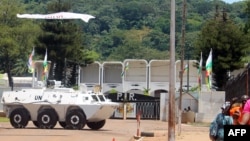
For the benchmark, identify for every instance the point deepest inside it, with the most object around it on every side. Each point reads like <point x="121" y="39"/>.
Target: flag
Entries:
<point x="185" y="68"/>
<point x="209" y="70"/>
<point x="45" y="66"/>
<point x="125" y="69"/>
<point x="30" y="62"/>
<point x="59" y="15"/>
<point x="200" y="72"/>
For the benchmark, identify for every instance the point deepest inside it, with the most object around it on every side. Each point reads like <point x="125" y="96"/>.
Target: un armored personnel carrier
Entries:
<point x="45" y="107"/>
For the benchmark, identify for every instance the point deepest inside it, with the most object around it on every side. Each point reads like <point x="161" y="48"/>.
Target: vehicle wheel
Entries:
<point x="62" y="124"/>
<point x="47" y="119"/>
<point x="19" y="118"/>
<point x="96" y="125"/>
<point x="35" y="123"/>
<point x="75" y="119"/>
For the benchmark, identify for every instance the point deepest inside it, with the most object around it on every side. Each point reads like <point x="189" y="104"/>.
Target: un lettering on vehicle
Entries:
<point x="38" y="97"/>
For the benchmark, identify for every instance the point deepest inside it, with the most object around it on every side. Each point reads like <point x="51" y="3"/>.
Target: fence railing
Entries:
<point x="132" y="104"/>
<point x="238" y="85"/>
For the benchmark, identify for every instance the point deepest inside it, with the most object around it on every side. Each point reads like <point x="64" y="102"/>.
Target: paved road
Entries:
<point x="117" y="129"/>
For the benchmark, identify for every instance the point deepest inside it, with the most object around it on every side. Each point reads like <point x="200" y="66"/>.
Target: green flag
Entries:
<point x="30" y="62"/>
<point x="125" y="69"/>
<point x="209" y="70"/>
<point x="45" y="66"/>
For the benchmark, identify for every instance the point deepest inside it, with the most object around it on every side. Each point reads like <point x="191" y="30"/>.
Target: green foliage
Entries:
<point x="4" y="119"/>
<point x="16" y="38"/>
<point x="227" y="42"/>
<point x="63" y="39"/>
<point x="122" y="29"/>
<point x="246" y="29"/>
<point x="115" y="17"/>
<point x="75" y="87"/>
<point x="132" y="47"/>
<point x="194" y="89"/>
<point x="146" y="91"/>
<point x="112" y="91"/>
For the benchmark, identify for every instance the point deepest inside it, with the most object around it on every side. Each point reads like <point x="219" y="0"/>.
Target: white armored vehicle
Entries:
<point x="45" y="107"/>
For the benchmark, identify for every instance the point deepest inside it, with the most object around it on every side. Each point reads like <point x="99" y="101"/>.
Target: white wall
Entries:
<point x="158" y="75"/>
<point x="91" y="75"/>
<point x="136" y="77"/>
<point x="111" y="72"/>
<point x="209" y="105"/>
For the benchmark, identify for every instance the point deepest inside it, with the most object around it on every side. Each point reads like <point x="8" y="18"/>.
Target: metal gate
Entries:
<point x="132" y="104"/>
<point x="149" y="109"/>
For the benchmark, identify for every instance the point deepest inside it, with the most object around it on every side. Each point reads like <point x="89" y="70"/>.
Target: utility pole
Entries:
<point x="247" y="79"/>
<point x="188" y="53"/>
<point x="171" y="109"/>
<point x="181" y="67"/>
<point x="65" y="74"/>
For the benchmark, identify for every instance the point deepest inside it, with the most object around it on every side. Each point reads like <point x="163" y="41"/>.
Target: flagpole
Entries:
<point x="33" y="79"/>
<point x="33" y="72"/>
<point x="188" y="71"/>
<point x="200" y="73"/>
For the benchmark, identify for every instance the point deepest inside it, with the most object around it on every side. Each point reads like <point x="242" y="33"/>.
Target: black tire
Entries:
<point x="62" y="124"/>
<point x="75" y="119"/>
<point x="47" y="119"/>
<point x="96" y="125"/>
<point x="35" y="123"/>
<point x="19" y="118"/>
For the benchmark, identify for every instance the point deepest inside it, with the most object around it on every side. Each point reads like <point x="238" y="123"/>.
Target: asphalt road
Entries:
<point x="114" y="130"/>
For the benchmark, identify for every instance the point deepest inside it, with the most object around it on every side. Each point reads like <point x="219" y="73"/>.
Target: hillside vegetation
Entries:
<point x="123" y="29"/>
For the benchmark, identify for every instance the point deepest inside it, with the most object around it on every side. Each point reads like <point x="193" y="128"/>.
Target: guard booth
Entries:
<point x="111" y="77"/>
<point x="91" y="75"/>
<point x="132" y="104"/>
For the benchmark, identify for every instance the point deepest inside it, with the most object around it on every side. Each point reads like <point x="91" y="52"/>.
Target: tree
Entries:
<point x="63" y="40"/>
<point x="132" y="47"/>
<point x="228" y="44"/>
<point x="16" y="38"/>
<point x="246" y="58"/>
<point x="133" y="13"/>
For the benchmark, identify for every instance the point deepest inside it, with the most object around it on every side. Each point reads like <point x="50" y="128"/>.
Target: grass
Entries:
<point x="4" y="119"/>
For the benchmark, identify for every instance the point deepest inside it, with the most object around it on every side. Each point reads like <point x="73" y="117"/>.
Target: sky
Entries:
<point x="231" y="1"/>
